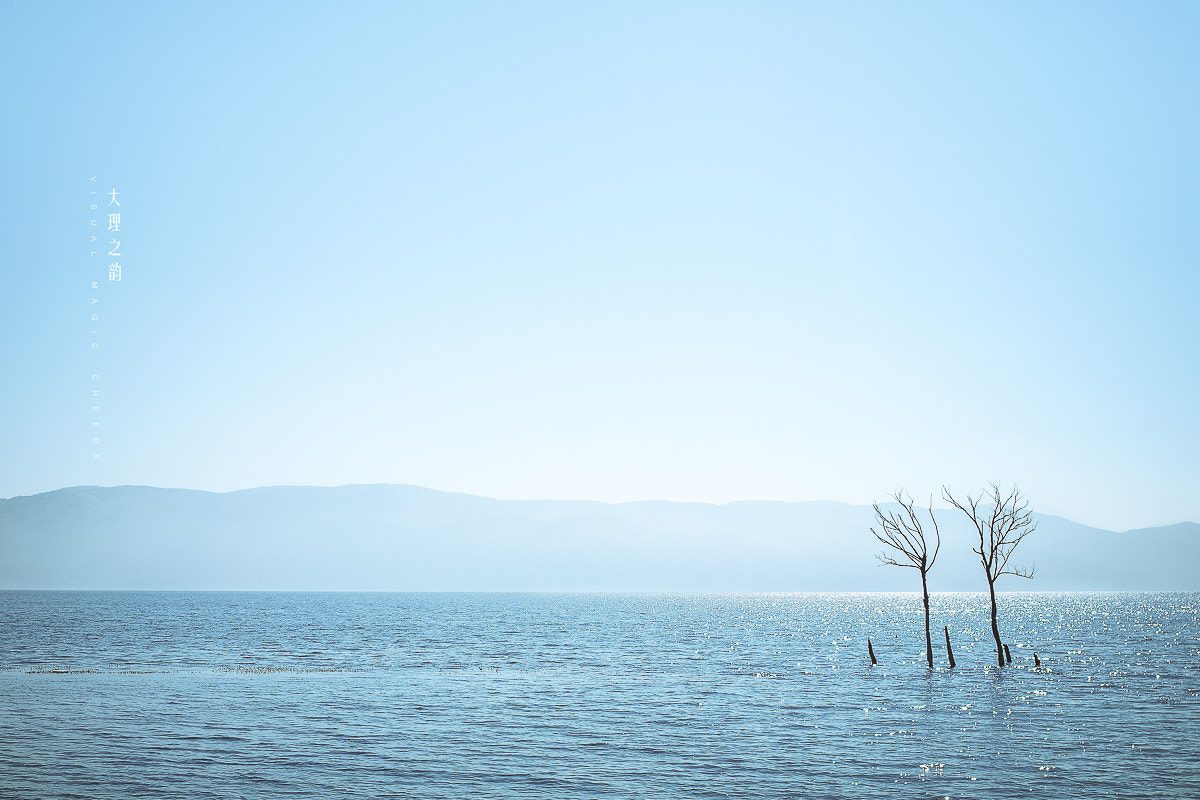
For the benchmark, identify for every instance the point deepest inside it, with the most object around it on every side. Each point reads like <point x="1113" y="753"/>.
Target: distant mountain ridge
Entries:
<point x="400" y="537"/>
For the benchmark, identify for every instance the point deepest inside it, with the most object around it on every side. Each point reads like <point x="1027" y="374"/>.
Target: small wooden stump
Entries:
<point x="1007" y="655"/>
<point x="949" y="650"/>
<point x="871" y="650"/>
<point x="1036" y="661"/>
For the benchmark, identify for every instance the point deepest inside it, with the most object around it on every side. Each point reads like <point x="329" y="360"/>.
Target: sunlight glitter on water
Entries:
<point x="136" y="694"/>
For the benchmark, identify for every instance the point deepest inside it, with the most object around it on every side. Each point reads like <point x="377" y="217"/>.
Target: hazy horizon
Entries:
<point x="884" y="502"/>
<point x="404" y="537"/>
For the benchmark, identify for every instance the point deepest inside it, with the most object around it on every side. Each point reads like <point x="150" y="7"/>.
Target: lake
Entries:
<point x="392" y="695"/>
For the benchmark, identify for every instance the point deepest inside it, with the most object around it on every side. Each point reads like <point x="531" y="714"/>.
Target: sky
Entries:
<point x="615" y="251"/>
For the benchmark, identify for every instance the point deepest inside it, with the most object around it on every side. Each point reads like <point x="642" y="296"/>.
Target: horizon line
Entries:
<point x="550" y="500"/>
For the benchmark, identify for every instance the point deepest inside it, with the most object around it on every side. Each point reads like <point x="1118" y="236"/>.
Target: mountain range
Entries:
<point x="396" y="537"/>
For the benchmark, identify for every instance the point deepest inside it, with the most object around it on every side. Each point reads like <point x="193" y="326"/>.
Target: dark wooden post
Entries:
<point x="1007" y="655"/>
<point x="1036" y="661"/>
<point x="949" y="650"/>
<point x="871" y="650"/>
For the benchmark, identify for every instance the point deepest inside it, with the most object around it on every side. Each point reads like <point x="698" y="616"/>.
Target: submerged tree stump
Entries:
<point x="1007" y="655"/>
<point x="871" y="651"/>
<point x="949" y="650"/>
<point x="1036" y="662"/>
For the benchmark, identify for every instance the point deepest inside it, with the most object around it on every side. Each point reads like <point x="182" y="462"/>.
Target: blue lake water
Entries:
<point x="272" y="695"/>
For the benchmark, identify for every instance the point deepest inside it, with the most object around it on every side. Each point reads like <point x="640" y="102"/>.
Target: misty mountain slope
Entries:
<point x="390" y="537"/>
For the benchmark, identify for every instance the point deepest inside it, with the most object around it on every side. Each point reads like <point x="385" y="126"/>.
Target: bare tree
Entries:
<point x="1001" y="528"/>
<point x="902" y="532"/>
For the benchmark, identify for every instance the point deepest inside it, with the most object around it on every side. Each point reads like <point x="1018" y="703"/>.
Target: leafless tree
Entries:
<point x="1001" y="528"/>
<point x="902" y="532"/>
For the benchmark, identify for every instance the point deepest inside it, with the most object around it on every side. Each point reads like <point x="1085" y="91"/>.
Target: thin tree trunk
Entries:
<point x="950" y="650"/>
<point x="928" y="638"/>
<point x="995" y="624"/>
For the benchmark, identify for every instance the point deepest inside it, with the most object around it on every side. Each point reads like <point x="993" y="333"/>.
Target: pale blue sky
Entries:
<point x="691" y="251"/>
